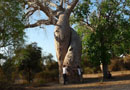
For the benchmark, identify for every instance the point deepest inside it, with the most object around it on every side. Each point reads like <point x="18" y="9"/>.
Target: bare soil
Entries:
<point x="120" y="81"/>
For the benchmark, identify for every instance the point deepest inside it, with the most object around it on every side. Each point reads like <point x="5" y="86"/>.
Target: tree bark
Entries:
<point x="105" y="70"/>
<point x="68" y="49"/>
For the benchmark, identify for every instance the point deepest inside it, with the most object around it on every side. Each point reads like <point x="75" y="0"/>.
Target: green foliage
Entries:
<point x="110" y="34"/>
<point x="50" y="68"/>
<point x="50" y="64"/>
<point x="28" y="64"/>
<point x="9" y="68"/>
<point x="28" y="60"/>
<point x="2" y="76"/>
<point x="82" y="10"/>
<point x="11" y="24"/>
<point x="3" y="81"/>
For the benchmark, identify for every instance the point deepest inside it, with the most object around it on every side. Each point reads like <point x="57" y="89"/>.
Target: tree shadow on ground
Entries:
<point x="100" y="79"/>
<point x="92" y="83"/>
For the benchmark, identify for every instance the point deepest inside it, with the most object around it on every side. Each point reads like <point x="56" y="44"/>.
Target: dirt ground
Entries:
<point x="120" y="81"/>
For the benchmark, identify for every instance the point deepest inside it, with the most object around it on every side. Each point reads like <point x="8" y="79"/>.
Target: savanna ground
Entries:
<point x="120" y="81"/>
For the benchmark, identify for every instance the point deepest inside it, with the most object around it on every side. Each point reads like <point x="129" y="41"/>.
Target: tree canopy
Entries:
<point x="11" y="23"/>
<point x="29" y="60"/>
<point x="105" y="29"/>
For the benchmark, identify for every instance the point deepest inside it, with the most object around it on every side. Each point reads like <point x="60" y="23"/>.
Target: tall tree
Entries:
<point x="28" y="60"/>
<point x="67" y="42"/>
<point x="109" y="23"/>
<point x="11" y="24"/>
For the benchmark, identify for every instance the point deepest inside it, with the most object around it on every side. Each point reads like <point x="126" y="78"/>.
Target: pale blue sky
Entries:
<point x="44" y="39"/>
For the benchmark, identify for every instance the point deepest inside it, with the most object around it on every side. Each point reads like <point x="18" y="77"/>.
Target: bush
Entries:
<point x="89" y="70"/>
<point x="127" y="62"/>
<point x="114" y="66"/>
<point x="47" y="76"/>
<point x="4" y="85"/>
<point x="118" y="64"/>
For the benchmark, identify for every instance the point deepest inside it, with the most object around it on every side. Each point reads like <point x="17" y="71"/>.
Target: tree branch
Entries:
<point x="40" y="22"/>
<point x="53" y="4"/>
<point x="45" y="9"/>
<point x="29" y="13"/>
<point x="61" y="3"/>
<point x="71" y="6"/>
<point x="89" y="27"/>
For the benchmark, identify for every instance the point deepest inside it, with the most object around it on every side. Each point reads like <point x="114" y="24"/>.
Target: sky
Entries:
<point x="43" y="37"/>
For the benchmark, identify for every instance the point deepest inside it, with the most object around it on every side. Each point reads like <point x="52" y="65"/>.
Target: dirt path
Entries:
<point x="120" y="81"/>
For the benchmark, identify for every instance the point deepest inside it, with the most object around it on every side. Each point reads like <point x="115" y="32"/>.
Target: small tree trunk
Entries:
<point x="29" y="77"/>
<point x="105" y="70"/>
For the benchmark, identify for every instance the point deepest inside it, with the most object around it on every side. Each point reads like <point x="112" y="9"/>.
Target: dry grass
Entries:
<point x="120" y="81"/>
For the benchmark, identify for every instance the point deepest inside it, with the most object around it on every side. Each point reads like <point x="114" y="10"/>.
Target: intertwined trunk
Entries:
<point x="68" y="48"/>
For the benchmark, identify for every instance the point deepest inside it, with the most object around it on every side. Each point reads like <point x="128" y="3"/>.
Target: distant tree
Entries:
<point x="106" y="30"/>
<point x="28" y="60"/>
<point x="49" y="62"/>
<point x="9" y="68"/>
<point x="50" y="67"/>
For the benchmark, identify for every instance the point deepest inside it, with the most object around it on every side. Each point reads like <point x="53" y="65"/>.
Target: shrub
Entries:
<point x="88" y="70"/>
<point x="47" y="76"/>
<point x="127" y="62"/>
<point x="116" y="64"/>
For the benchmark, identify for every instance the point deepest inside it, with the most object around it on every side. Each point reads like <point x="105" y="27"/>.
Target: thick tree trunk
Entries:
<point x="73" y="57"/>
<point x="68" y="48"/>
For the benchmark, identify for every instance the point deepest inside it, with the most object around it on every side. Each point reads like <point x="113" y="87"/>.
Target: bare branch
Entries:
<point x="61" y="3"/>
<point x="71" y="6"/>
<point x="37" y="5"/>
<point x="40" y="22"/>
<point x="45" y="9"/>
<point x="89" y="27"/>
<point x="53" y="4"/>
<point x="29" y="13"/>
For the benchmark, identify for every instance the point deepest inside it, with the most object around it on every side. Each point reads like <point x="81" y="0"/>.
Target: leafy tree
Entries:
<point x="67" y="42"/>
<point x="9" y="68"/>
<point x="11" y="24"/>
<point x="50" y="71"/>
<point x="28" y="60"/>
<point x="107" y="31"/>
<point x="49" y="62"/>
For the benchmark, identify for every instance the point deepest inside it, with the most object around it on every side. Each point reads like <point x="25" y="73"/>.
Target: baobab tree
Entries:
<point x="67" y="42"/>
